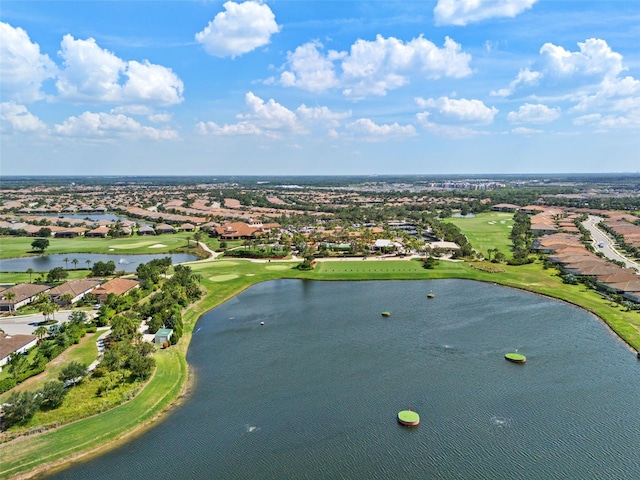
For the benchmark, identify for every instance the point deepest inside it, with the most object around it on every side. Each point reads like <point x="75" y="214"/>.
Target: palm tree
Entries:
<point x="75" y="263"/>
<point x="30" y="271"/>
<point x="41" y="332"/>
<point x="10" y="296"/>
<point x="47" y="308"/>
<point x="66" y="262"/>
<point x="88" y="262"/>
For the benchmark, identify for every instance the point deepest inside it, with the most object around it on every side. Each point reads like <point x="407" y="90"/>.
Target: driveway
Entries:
<point x="26" y="324"/>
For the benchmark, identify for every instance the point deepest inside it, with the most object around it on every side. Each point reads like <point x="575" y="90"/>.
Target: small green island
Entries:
<point x="408" y="418"/>
<point x="515" y="357"/>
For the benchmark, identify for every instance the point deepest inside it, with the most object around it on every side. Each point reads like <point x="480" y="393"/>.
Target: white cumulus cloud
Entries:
<point x="321" y="115"/>
<point x="561" y="68"/>
<point x="463" y="12"/>
<point x="23" y="68"/>
<point x="309" y="69"/>
<point x="241" y="128"/>
<point x="16" y="118"/>
<point x="373" y="67"/>
<point x="102" y="125"/>
<point x="525" y="131"/>
<point x="371" y="131"/>
<point x="594" y="59"/>
<point x="271" y="119"/>
<point x="447" y="110"/>
<point x="240" y="29"/>
<point x="95" y="75"/>
<point x="530" y="113"/>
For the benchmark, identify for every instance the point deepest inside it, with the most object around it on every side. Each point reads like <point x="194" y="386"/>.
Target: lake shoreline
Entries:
<point x="210" y="301"/>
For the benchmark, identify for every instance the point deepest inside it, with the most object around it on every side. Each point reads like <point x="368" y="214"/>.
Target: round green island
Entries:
<point x="515" y="357"/>
<point x="408" y="418"/>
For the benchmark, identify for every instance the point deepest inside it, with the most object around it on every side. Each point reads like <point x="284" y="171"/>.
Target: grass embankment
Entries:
<point x="224" y="279"/>
<point x="487" y="230"/>
<point x="26" y="453"/>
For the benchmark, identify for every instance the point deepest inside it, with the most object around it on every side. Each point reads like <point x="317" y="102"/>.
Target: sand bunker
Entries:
<point x="157" y="245"/>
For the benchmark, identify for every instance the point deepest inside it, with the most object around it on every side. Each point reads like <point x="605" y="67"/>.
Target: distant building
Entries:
<point x="505" y="207"/>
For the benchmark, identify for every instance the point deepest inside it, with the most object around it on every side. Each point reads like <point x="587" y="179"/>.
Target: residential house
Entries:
<point x="23" y="294"/>
<point x="14" y="344"/>
<point x="76" y="288"/>
<point x="164" y="228"/>
<point x="146" y="230"/>
<point x="99" y="232"/>
<point x="117" y="286"/>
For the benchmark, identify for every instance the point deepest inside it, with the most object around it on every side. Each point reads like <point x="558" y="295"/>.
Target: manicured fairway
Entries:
<point x="487" y="230"/>
<point x="12" y="247"/>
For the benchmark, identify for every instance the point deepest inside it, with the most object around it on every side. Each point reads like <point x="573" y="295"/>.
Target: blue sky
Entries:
<point x="319" y="87"/>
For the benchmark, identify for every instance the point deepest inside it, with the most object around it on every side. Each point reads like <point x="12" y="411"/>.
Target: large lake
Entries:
<point x="314" y="392"/>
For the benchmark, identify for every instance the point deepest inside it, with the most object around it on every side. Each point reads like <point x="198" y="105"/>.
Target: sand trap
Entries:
<point x="251" y="274"/>
<point x="491" y="223"/>
<point x="157" y="245"/>
<point x="277" y="267"/>
<point x="111" y="249"/>
<point x="502" y="221"/>
<point x="223" y="278"/>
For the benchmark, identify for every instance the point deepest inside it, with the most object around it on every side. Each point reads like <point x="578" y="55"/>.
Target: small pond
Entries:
<point x="128" y="263"/>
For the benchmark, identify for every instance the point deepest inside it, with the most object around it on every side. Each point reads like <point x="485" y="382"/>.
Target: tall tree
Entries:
<point x="75" y="263"/>
<point x="40" y="244"/>
<point x="30" y="271"/>
<point x="10" y="296"/>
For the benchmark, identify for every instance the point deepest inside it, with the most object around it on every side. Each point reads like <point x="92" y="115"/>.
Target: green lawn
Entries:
<point x="223" y="280"/>
<point x="11" y="247"/>
<point x="84" y="352"/>
<point x="90" y="433"/>
<point x="487" y="230"/>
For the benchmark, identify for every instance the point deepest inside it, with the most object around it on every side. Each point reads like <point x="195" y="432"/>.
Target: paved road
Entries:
<point x="26" y="324"/>
<point x="608" y="244"/>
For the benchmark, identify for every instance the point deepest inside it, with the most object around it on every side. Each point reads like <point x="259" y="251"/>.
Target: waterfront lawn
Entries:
<point x="21" y="277"/>
<point x="487" y="230"/>
<point x="12" y="247"/>
<point x="85" y="435"/>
